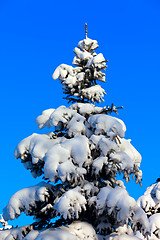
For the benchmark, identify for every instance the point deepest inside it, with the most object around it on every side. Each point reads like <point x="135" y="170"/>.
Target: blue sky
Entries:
<point x="37" y="36"/>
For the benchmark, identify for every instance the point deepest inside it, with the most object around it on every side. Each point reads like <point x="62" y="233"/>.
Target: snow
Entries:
<point x="99" y="163"/>
<point x="62" y="71"/>
<point x="53" y="117"/>
<point x="15" y="233"/>
<point x="120" y="237"/>
<point x="89" y="189"/>
<point x="32" y="235"/>
<point x="127" y="147"/>
<point x="80" y="82"/>
<point x="11" y="234"/>
<point x="56" y="234"/>
<point x="76" y="126"/>
<point x="155" y="224"/>
<point x="127" y="155"/>
<point x="103" y="143"/>
<point x="146" y="202"/>
<point x="43" y="120"/>
<point x="79" y="149"/>
<point x="86" y="108"/>
<point x="37" y="145"/>
<point x="83" y="231"/>
<point x="71" y="203"/>
<point x="67" y="158"/>
<point x="109" y="199"/>
<point x="94" y="93"/>
<point x="71" y="81"/>
<point x="97" y="61"/>
<point x="64" y="117"/>
<point x="104" y="124"/>
<point x="88" y="43"/>
<point x="4" y="223"/>
<point x="64" y="158"/>
<point x="150" y="201"/>
<point x="82" y="55"/>
<point x="123" y="159"/>
<point x="25" y="199"/>
<point x="54" y="157"/>
<point x="61" y="115"/>
<point x="74" y="231"/>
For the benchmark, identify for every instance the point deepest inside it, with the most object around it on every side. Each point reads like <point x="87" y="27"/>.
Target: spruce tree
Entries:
<point x="79" y="159"/>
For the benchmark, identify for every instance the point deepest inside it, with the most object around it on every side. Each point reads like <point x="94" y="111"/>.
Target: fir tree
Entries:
<point x="79" y="160"/>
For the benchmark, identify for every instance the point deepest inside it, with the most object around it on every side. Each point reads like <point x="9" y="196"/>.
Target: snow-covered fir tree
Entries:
<point x="79" y="159"/>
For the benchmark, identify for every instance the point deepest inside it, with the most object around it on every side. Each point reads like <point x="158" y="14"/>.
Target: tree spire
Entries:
<point x="85" y="30"/>
<point x="80" y="82"/>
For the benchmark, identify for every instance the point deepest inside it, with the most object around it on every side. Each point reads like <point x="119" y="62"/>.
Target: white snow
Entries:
<point x="61" y="115"/>
<point x="32" y="235"/>
<point x="86" y="108"/>
<point x="89" y="188"/>
<point x="111" y="199"/>
<point x="37" y="145"/>
<point x="11" y="234"/>
<point x="43" y="120"/>
<point x="75" y="231"/>
<point x="150" y="201"/>
<point x="97" y="61"/>
<point x="83" y="231"/>
<point x="99" y="163"/>
<point x="155" y="224"/>
<point x="4" y="223"/>
<point x="62" y="71"/>
<point x="82" y="55"/>
<point x="104" y="144"/>
<point x="75" y="80"/>
<point x="67" y="159"/>
<point x="94" y="93"/>
<point x="64" y="117"/>
<point x="104" y="124"/>
<point x="127" y="147"/>
<point x="76" y="125"/>
<point x="62" y="155"/>
<point x="120" y="237"/>
<point x="23" y="200"/>
<point x="88" y="43"/>
<point x="71" y="203"/>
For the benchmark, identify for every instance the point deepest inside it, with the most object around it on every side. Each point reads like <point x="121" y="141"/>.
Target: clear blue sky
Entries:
<point x="36" y="36"/>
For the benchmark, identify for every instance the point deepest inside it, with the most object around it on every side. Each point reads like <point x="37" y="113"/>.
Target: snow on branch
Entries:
<point x="150" y="201"/>
<point x="110" y="200"/>
<point x="68" y="159"/>
<point x="26" y="200"/>
<point x="4" y="223"/>
<point x="75" y="231"/>
<point x="82" y="132"/>
<point x="79" y="83"/>
<point x="71" y="203"/>
<point x="106" y="125"/>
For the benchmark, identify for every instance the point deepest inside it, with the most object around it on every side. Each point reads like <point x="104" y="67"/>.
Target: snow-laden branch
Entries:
<point x="75" y="231"/>
<point x="71" y="203"/>
<point x="150" y="201"/>
<point x="79" y="83"/>
<point x="4" y="223"/>
<point x="117" y="203"/>
<point x="26" y="200"/>
<point x="88" y="138"/>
